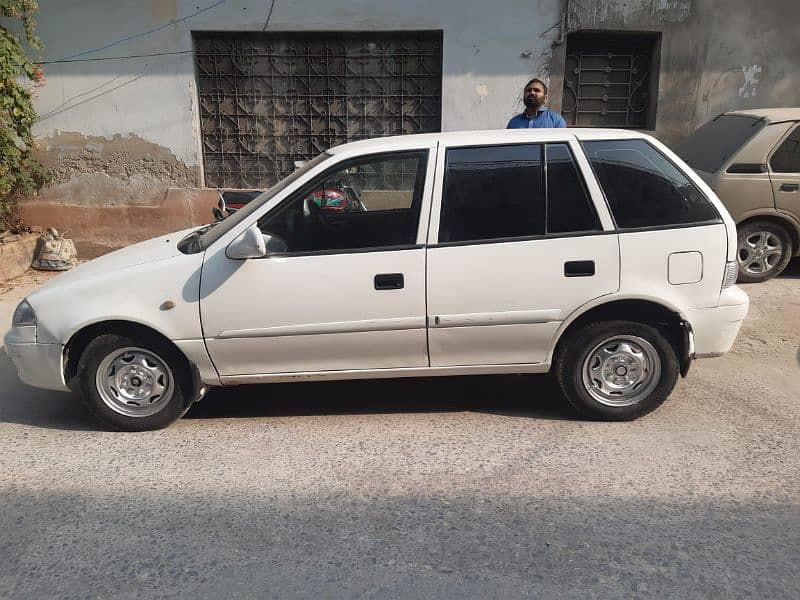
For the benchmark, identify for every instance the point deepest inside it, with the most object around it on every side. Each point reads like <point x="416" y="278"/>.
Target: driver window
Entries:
<point x="369" y="202"/>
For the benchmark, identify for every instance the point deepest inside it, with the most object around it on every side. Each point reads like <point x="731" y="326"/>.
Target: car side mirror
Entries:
<point x="248" y="244"/>
<point x="274" y="244"/>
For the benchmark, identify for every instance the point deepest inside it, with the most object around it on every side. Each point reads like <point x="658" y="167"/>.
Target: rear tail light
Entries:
<point x="731" y="273"/>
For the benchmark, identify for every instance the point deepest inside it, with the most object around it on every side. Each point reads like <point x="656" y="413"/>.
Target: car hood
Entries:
<point x="130" y="284"/>
<point x="159" y="248"/>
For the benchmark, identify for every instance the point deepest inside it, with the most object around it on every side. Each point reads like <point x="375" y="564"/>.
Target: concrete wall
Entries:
<point x="716" y="55"/>
<point x="150" y="103"/>
<point x="122" y="132"/>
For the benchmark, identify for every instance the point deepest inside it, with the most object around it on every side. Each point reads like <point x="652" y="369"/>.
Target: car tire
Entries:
<point x="134" y="383"/>
<point x="616" y="370"/>
<point x="763" y="250"/>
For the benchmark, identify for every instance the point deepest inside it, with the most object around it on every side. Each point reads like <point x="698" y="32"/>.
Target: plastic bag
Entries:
<point x="54" y="252"/>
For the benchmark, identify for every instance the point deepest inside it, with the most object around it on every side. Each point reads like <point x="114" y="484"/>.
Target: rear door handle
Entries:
<point x="579" y="268"/>
<point x="389" y="281"/>
<point x="790" y="187"/>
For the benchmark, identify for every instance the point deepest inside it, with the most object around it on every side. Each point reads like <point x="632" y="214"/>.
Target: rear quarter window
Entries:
<point x="643" y="188"/>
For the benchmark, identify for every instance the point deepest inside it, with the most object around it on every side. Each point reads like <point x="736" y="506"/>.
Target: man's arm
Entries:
<point x="560" y="122"/>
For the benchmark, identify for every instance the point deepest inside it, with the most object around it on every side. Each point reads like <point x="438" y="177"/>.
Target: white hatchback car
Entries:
<point x="596" y="254"/>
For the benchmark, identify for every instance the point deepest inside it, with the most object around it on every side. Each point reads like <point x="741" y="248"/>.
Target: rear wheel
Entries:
<point x="616" y="370"/>
<point x="764" y="249"/>
<point x="133" y="384"/>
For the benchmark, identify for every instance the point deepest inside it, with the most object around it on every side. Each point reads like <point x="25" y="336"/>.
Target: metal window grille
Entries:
<point x="609" y="88"/>
<point x="269" y="100"/>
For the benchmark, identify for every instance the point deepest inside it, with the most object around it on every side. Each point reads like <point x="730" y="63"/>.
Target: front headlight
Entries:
<point x="24" y="315"/>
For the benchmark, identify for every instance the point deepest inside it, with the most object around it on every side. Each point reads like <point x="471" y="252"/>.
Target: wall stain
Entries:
<point x="92" y="170"/>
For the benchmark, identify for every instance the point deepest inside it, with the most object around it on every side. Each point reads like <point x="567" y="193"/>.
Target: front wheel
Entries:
<point x="133" y="384"/>
<point x="616" y="370"/>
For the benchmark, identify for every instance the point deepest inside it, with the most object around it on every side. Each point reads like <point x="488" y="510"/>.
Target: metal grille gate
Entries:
<point x="607" y="82"/>
<point x="268" y="100"/>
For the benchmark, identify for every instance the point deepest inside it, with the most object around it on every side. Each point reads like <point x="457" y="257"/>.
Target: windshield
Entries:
<point x="207" y="236"/>
<point x="708" y="148"/>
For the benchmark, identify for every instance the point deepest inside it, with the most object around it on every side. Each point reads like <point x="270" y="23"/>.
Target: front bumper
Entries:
<point x="715" y="329"/>
<point x="38" y="365"/>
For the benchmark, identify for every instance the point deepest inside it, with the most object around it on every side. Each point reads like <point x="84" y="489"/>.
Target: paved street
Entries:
<point x="483" y="487"/>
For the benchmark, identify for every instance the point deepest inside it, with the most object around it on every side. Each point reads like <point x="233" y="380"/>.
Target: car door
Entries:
<point x="346" y="291"/>
<point x="518" y="243"/>
<point x="784" y="167"/>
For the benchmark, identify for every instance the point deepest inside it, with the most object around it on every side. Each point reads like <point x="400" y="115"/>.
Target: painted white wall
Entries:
<point x="490" y="50"/>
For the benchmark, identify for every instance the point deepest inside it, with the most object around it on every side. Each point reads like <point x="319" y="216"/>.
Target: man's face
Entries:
<point x="533" y="96"/>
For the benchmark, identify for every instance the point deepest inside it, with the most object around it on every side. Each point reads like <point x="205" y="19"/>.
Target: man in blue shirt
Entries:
<point x="536" y="115"/>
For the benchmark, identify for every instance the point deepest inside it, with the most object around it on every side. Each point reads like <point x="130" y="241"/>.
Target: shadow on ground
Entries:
<point x="236" y="543"/>
<point x="535" y="396"/>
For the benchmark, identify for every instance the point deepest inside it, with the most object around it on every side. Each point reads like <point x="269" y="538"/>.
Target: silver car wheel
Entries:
<point x="621" y="370"/>
<point x="760" y="252"/>
<point x="134" y="382"/>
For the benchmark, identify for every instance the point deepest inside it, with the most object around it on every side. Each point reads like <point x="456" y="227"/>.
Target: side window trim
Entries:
<point x="423" y="171"/>
<point x="596" y="193"/>
<point x="792" y="131"/>
<point x="573" y="234"/>
<point x="581" y="181"/>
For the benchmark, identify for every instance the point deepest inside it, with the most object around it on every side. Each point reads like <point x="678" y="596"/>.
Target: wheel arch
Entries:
<point x="80" y="340"/>
<point x="777" y="218"/>
<point x="667" y="319"/>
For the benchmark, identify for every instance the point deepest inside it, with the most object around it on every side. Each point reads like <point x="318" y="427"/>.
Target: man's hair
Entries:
<point x="536" y="80"/>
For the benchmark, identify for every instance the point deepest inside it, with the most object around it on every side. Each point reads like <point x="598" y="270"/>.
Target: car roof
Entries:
<point x="489" y="136"/>
<point x="771" y="114"/>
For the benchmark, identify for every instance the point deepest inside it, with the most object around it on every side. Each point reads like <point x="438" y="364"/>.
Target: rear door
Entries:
<point x="784" y="167"/>
<point x="517" y="244"/>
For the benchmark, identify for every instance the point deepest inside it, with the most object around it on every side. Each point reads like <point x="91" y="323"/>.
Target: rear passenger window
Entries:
<point x="568" y="205"/>
<point x="643" y="188"/>
<point x="493" y="192"/>
<point x="787" y="158"/>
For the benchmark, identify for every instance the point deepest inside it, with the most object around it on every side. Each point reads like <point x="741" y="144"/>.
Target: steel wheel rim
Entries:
<point x="134" y="382"/>
<point x="621" y="370"/>
<point x="760" y="252"/>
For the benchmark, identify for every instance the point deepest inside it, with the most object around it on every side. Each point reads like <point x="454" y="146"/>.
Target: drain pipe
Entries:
<point x="563" y="29"/>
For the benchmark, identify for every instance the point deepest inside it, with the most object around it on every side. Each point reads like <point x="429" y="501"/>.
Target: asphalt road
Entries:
<point x="482" y="487"/>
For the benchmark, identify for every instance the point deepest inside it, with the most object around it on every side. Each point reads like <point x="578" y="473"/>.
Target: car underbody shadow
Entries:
<point x="534" y="396"/>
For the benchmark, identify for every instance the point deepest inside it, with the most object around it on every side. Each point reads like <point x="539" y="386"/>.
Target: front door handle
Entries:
<point x="389" y="281"/>
<point x="790" y="187"/>
<point x="579" y="268"/>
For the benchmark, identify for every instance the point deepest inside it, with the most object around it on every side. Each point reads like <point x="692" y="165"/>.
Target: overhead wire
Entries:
<point x="75" y="60"/>
<point x="136" y="36"/>
<point x="269" y="15"/>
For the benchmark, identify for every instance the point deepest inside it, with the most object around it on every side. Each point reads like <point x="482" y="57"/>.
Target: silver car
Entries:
<point x="751" y="159"/>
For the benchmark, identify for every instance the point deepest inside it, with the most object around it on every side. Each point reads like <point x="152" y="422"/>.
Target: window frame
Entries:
<point x="444" y="188"/>
<point x="690" y="179"/>
<point x="583" y="184"/>
<point x="418" y="201"/>
<point x="591" y="186"/>
<point x="774" y="151"/>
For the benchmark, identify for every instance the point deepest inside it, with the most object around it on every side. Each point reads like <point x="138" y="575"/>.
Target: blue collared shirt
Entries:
<point x="544" y="118"/>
